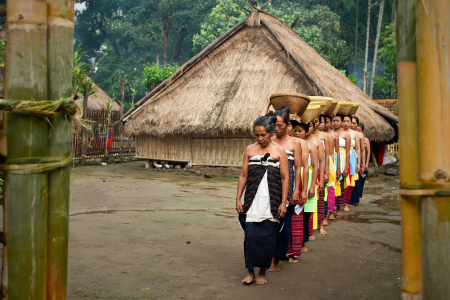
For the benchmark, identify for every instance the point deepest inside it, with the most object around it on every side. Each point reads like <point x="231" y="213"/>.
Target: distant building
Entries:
<point x="203" y="114"/>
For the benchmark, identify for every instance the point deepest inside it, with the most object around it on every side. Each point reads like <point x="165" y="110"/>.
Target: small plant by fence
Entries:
<point x="101" y="135"/>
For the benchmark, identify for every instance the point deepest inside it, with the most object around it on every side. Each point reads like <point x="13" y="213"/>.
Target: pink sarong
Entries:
<point x="331" y="198"/>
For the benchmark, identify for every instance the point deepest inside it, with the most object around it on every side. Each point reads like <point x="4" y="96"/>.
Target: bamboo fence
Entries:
<point x="98" y="125"/>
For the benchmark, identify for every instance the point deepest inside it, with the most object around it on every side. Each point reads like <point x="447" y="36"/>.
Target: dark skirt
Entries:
<point x="306" y="217"/>
<point x="284" y="236"/>
<point x="356" y="193"/>
<point x="259" y="243"/>
<point x="363" y="181"/>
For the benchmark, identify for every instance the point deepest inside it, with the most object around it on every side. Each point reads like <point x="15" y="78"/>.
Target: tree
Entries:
<point x="367" y="46"/>
<point x="386" y="85"/>
<point x="377" y="40"/>
<point x="153" y="74"/>
<point x="318" y="26"/>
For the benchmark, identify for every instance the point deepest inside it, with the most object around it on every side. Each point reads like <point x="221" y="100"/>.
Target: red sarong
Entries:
<point x="296" y="242"/>
<point x="321" y="207"/>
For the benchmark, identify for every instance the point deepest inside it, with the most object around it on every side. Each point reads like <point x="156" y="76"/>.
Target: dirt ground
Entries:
<point x="149" y="234"/>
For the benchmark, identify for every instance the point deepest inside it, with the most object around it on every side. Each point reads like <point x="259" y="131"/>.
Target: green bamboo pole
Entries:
<point x="60" y="48"/>
<point x="26" y="195"/>
<point x="409" y="150"/>
<point x="433" y="53"/>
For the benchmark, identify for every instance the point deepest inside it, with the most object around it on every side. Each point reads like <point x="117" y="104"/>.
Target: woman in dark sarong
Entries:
<point x="293" y="150"/>
<point x="265" y="177"/>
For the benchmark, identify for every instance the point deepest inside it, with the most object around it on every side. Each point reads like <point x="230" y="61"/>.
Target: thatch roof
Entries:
<point x="226" y="85"/>
<point x="98" y="100"/>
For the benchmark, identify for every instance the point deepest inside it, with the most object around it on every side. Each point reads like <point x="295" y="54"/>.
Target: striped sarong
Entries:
<point x="331" y="198"/>
<point x="340" y="199"/>
<point x="348" y="195"/>
<point x="321" y="207"/>
<point x="259" y="243"/>
<point x="296" y="242"/>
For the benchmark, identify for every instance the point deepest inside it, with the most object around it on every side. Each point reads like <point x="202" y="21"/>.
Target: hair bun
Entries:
<point x="273" y="119"/>
<point x="269" y="114"/>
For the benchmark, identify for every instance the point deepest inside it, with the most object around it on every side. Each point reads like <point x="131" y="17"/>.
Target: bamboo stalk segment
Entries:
<point x="409" y="150"/>
<point x="60" y="37"/>
<point x="433" y="38"/>
<point x="26" y="195"/>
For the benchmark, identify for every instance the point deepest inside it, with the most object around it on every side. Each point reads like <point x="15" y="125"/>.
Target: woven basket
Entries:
<point x="296" y="103"/>
<point x="328" y="102"/>
<point x="311" y="113"/>
<point x="344" y="108"/>
<point x="353" y="109"/>
<point x="331" y="109"/>
<point x="295" y="117"/>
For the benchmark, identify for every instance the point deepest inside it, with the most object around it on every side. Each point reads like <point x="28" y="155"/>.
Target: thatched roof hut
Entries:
<point x="221" y="91"/>
<point x="98" y="100"/>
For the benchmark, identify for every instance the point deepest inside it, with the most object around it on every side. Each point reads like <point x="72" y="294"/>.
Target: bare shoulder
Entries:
<point x="251" y="147"/>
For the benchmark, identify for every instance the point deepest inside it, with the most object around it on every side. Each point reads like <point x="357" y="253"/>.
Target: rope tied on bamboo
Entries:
<point x="22" y="166"/>
<point x="44" y="109"/>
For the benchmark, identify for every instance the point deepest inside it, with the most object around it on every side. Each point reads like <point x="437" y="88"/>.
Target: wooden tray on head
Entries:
<point x="353" y="109"/>
<point x="297" y="103"/>
<point x="328" y="102"/>
<point x="331" y="109"/>
<point x="344" y="108"/>
<point x="311" y="113"/>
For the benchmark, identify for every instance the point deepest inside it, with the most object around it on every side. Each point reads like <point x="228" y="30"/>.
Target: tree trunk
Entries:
<point x="157" y="59"/>
<point x="165" y="30"/>
<point x="356" y="38"/>
<point x="367" y="46"/>
<point x="84" y="130"/>
<point x="366" y="82"/>
<point x="377" y="41"/>
<point x="179" y="44"/>
<point x="26" y="195"/>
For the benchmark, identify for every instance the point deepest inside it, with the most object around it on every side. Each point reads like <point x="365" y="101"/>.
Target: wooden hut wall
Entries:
<point x="167" y="148"/>
<point x="219" y="149"/>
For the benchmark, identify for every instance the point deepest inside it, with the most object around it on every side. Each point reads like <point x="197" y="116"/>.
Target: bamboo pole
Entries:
<point x="433" y="55"/>
<point x="84" y="132"/>
<point x="60" y="48"/>
<point x="409" y="150"/>
<point x="26" y="195"/>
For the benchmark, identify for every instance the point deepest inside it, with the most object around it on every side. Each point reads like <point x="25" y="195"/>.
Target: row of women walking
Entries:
<point x="296" y="177"/>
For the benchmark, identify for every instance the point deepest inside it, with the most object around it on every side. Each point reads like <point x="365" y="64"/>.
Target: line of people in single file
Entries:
<point x="296" y="177"/>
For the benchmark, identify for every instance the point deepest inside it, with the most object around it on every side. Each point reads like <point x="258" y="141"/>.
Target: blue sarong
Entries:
<point x="259" y="243"/>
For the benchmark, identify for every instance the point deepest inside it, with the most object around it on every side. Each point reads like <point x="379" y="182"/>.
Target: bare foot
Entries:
<point x="261" y="277"/>
<point x="249" y="278"/>
<point x="338" y="211"/>
<point x="331" y="216"/>
<point x="304" y="249"/>
<point x="293" y="260"/>
<point x="274" y="267"/>
<point x="351" y="205"/>
<point x="321" y="230"/>
<point x="325" y="221"/>
<point x="312" y="238"/>
<point x="346" y="208"/>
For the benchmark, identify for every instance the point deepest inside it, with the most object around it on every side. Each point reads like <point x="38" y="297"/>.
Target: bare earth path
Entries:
<point x="147" y="234"/>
